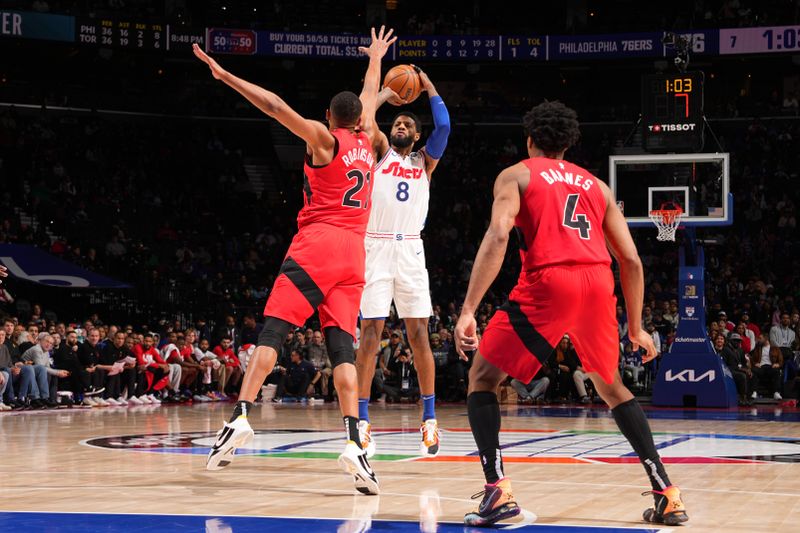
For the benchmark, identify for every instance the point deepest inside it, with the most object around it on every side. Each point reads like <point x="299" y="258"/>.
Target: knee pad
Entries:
<point x="274" y="333"/>
<point x="340" y="346"/>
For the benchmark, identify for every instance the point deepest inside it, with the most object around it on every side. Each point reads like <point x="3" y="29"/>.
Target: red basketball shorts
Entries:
<point x="324" y="270"/>
<point x="545" y="305"/>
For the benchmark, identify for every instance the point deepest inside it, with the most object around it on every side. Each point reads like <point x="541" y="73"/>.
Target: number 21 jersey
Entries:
<point x="339" y="192"/>
<point x="560" y="220"/>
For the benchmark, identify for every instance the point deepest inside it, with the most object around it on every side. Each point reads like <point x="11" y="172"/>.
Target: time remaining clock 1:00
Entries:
<point x="678" y="85"/>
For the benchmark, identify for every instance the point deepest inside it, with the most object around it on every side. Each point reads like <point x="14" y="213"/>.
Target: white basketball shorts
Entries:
<point x="395" y="270"/>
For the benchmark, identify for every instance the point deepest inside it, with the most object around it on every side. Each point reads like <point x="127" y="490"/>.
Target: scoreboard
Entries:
<point x="121" y="34"/>
<point x="672" y="112"/>
<point x="453" y="47"/>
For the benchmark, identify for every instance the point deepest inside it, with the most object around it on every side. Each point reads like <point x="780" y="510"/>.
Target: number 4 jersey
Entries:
<point x="560" y="220"/>
<point x="339" y="192"/>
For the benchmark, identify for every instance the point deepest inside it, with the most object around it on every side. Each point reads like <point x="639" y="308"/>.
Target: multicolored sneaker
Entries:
<point x="354" y="461"/>
<point x="668" y="509"/>
<point x="232" y="435"/>
<point x="365" y="434"/>
<point x="429" y="447"/>
<point x="497" y="504"/>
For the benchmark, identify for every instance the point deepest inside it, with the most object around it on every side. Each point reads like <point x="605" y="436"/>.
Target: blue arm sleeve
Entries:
<point x="437" y="141"/>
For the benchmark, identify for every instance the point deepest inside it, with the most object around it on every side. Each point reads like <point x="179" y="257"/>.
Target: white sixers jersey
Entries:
<point x="400" y="194"/>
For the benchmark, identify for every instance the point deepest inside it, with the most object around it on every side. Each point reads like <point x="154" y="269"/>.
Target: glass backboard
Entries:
<point x="697" y="183"/>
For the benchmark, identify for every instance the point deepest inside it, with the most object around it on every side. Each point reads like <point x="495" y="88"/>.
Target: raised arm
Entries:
<point x="437" y="140"/>
<point x="372" y="80"/>
<point x="314" y="133"/>
<point x="490" y="254"/>
<point x="631" y="273"/>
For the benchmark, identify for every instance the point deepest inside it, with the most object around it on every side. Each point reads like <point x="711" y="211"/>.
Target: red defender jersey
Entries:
<point x="339" y="193"/>
<point x="560" y="221"/>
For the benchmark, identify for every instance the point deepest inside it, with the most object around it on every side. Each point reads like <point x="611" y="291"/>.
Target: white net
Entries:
<point x="667" y="221"/>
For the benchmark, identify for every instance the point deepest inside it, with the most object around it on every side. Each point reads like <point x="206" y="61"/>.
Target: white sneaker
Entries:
<point x="232" y="435"/>
<point x="4" y="407"/>
<point x="429" y="447"/>
<point x="754" y="395"/>
<point x="354" y="461"/>
<point x="133" y="400"/>
<point x="153" y="399"/>
<point x="101" y="402"/>
<point x="777" y="396"/>
<point x="122" y="401"/>
<point x="88" y="402"/>
<point x="365" y="434"/>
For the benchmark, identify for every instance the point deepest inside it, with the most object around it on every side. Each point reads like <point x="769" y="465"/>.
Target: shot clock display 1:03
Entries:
<point x="672" y="111"/>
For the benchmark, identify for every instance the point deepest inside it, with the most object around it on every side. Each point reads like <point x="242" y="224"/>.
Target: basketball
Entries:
<point x="404" y="80"/>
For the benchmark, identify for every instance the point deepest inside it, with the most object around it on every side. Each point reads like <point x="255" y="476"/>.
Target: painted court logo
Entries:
<point x="519" y="446"/>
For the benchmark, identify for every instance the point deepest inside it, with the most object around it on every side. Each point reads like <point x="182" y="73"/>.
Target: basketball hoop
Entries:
<point x="667" y="221"/>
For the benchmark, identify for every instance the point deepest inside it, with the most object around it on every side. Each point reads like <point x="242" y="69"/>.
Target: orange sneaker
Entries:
<point x="669" y="508"/>
<point x="497" y="504"/>
<point x="429" y="447"/>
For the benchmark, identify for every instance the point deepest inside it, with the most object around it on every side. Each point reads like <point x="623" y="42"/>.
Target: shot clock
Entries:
<point x="672" y="112"/>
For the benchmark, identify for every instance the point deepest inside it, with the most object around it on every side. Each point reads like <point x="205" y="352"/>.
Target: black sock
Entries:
<point x="242" y="408"/>
<point x="484" y="419"/>
<point x="351" y="428"/>
<point x="633" y="424"/>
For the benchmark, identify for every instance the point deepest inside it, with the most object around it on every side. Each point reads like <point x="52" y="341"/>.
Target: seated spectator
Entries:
<point x="734" y="358"/>
<point x="562" y="363"/>
<point x="89" y="357"/>
<point x="79" y="379"/>
<point x="153" y="371"/>
<point x="401" y="378"/>
<point x="767" y="365"/>
<point x="119" y="364"/>
<point x="250" y="329"/>
<point x="233" y="375"/>
<point x="535" y="390"/>
<point x="782" y="335"/>
<point x="317" y="354"/>
<point x="299" y="378"/>
<point x="22" y="378"/>
<point x="632" y="364"/>
<point x="171" y="354"/>
<point x="214" y="373"/>
<point x="46" y="381"/>
<point x="748" y="337"/>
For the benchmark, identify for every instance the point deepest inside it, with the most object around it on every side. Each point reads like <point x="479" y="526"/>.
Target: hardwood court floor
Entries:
<point x="739" y="470"/>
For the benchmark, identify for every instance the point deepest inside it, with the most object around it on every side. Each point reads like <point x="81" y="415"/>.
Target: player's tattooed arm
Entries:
<point x="313" y="132"/>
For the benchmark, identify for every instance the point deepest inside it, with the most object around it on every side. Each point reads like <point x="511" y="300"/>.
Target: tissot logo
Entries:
<point x="688" y="375"/>
<point x="658" y="128"/>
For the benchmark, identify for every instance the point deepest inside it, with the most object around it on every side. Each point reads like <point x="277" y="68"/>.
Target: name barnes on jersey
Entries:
<point x="356" y="154"/>
<point x="551" y="176"/>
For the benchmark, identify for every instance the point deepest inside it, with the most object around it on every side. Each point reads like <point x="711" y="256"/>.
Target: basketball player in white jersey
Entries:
<point x="395" y="255"/>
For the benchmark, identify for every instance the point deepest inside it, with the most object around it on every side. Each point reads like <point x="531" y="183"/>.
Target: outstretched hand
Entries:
<point x="216" y="70"/>
<point x="380" y="43"/>
<point x="3" y="273"/>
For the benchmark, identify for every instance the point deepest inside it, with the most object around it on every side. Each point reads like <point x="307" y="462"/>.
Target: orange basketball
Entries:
<point x="403" y="80"/>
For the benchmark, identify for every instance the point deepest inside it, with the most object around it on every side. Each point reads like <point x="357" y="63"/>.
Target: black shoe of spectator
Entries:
<point x="50" y="404"/>
<point x="18" y="405"/>
<point x="37" y="404"/>
<point x="66" y="402"/>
